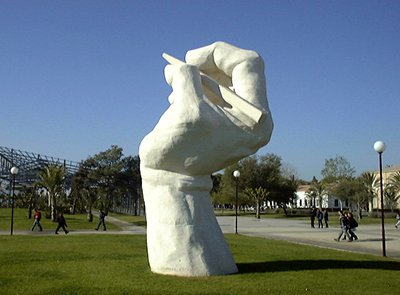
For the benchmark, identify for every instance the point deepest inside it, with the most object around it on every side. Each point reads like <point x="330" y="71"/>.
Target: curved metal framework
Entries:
<point x="29" y="165"/>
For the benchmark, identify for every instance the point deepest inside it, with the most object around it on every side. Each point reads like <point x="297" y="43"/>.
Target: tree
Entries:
<point x="283" y="192"/>
<point x="288" y="171"/>
<point x="129" y="185"/>
<point x="28" y="198"/>
<point x="369" y="182"/>
<point x="225" y="194"/>
<point x="361" y="194"/>
<point x="218" y="197"/>
<point x="394" y="182"/>
<point x="103" y="175"/>
<point x="260" y="180"/>
<point x="294" y="183"/>
<point x="392" y="194"/>
<point x="351" y="190"/>
<point x="109" y="181"/>
<point x="316" y="191"/>
<point x="391" y="198"/>
<point x="52" y="180"/>
<point x="259" y="171"/>
<point x="258" y="196"/>
<point x="84" y="191"/>
<point x="336" y="169"/>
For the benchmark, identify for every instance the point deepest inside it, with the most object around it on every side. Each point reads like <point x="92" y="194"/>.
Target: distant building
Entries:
<point x="387" y="173"/>
<point x="327" y="201"/>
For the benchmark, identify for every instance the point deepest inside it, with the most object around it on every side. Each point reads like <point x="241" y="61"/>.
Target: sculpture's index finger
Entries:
<point x="203" y="58"/>
<point x="219" y="56"/>
<point x="246" y="68"/>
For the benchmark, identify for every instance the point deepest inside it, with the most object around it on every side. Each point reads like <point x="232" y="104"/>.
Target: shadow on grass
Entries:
<point x="373" y="240"/>
<point x="296" y="265"/>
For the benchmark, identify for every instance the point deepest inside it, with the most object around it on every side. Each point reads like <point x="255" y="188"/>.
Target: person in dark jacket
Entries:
<point x="326" y="217"/>
<point x="351" y="226"/>
<point x="313" y="214"/>
<point x="61" y="223"/>
<point x="102" y="217"/>
<point x="320" y="217"/>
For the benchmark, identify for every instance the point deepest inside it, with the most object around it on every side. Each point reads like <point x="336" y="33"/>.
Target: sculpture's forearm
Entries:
<point x="183" y="235"/>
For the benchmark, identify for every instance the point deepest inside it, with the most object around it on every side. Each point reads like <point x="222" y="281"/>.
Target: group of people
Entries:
<point x="62" y="223"/>
<point x="347" y="223"/>
<point x="348" y="226"/>
<point x="322" y="217"/>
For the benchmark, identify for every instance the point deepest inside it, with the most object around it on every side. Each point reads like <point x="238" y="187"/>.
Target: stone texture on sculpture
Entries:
<point x="198" y="135"/>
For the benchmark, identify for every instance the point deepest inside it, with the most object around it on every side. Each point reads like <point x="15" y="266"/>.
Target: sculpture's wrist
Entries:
<point x="175" y="181"/>
<point x="173" y="198"/>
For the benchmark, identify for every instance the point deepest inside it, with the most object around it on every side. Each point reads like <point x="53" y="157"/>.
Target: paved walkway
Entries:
<point x="297" y="231"/>
<point x="126" y="229"/>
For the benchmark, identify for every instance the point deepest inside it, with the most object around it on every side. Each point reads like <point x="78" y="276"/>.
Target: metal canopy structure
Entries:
<point x="29" y="165"/>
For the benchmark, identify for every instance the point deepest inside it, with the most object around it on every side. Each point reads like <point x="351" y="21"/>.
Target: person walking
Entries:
<point x="398" y="219"/>
<point x="326" y="217"/>
<point x="320" y="217"/>
<point x="37" y="216"/>
<point x="102" y="217"/>
<point x="351" y="226"/>
<point x="343" y="226"/>
<point x="312" y="216"/>
<point x="62" y="223"/>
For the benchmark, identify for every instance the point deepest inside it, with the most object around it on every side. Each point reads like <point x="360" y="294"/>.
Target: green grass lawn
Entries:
<point x="138" y="220"/>
<point x="117" y="264"/>
<point x="22" y="222"/>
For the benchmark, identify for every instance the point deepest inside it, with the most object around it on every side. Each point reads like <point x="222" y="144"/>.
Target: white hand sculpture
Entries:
<point x="193" y="139"/>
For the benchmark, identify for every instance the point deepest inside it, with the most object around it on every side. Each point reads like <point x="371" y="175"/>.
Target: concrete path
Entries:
<point x="126" y="228"/>
<point x="297" y="231"/>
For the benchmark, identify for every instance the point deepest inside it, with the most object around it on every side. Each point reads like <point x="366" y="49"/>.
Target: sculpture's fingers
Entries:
<point x="245" y="68"/>
<point x="186" y="84"/>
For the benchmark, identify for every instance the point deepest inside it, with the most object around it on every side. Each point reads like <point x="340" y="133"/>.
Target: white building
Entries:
<point x="304" y="201"/>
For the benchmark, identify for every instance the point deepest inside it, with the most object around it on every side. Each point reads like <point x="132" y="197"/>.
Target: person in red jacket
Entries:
<point x="37" y="216"/>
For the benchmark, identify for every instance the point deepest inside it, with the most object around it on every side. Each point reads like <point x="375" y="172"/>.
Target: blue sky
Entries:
<point x="79" y="76"/>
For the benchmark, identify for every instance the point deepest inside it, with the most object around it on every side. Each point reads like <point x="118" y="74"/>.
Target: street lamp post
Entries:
<point x="380" y="147"/>
<point x="236" y="174"/>
<point x="14" y="172"/>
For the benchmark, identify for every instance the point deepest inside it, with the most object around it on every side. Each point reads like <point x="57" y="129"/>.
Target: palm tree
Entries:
<point x="316" y="191"/>
<point x="394" y="187"/>
<point x="391" y="198"/>
<point x="394" y="181"/>
<point x="370" y="182"/>
<point x="52" y="179"/>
